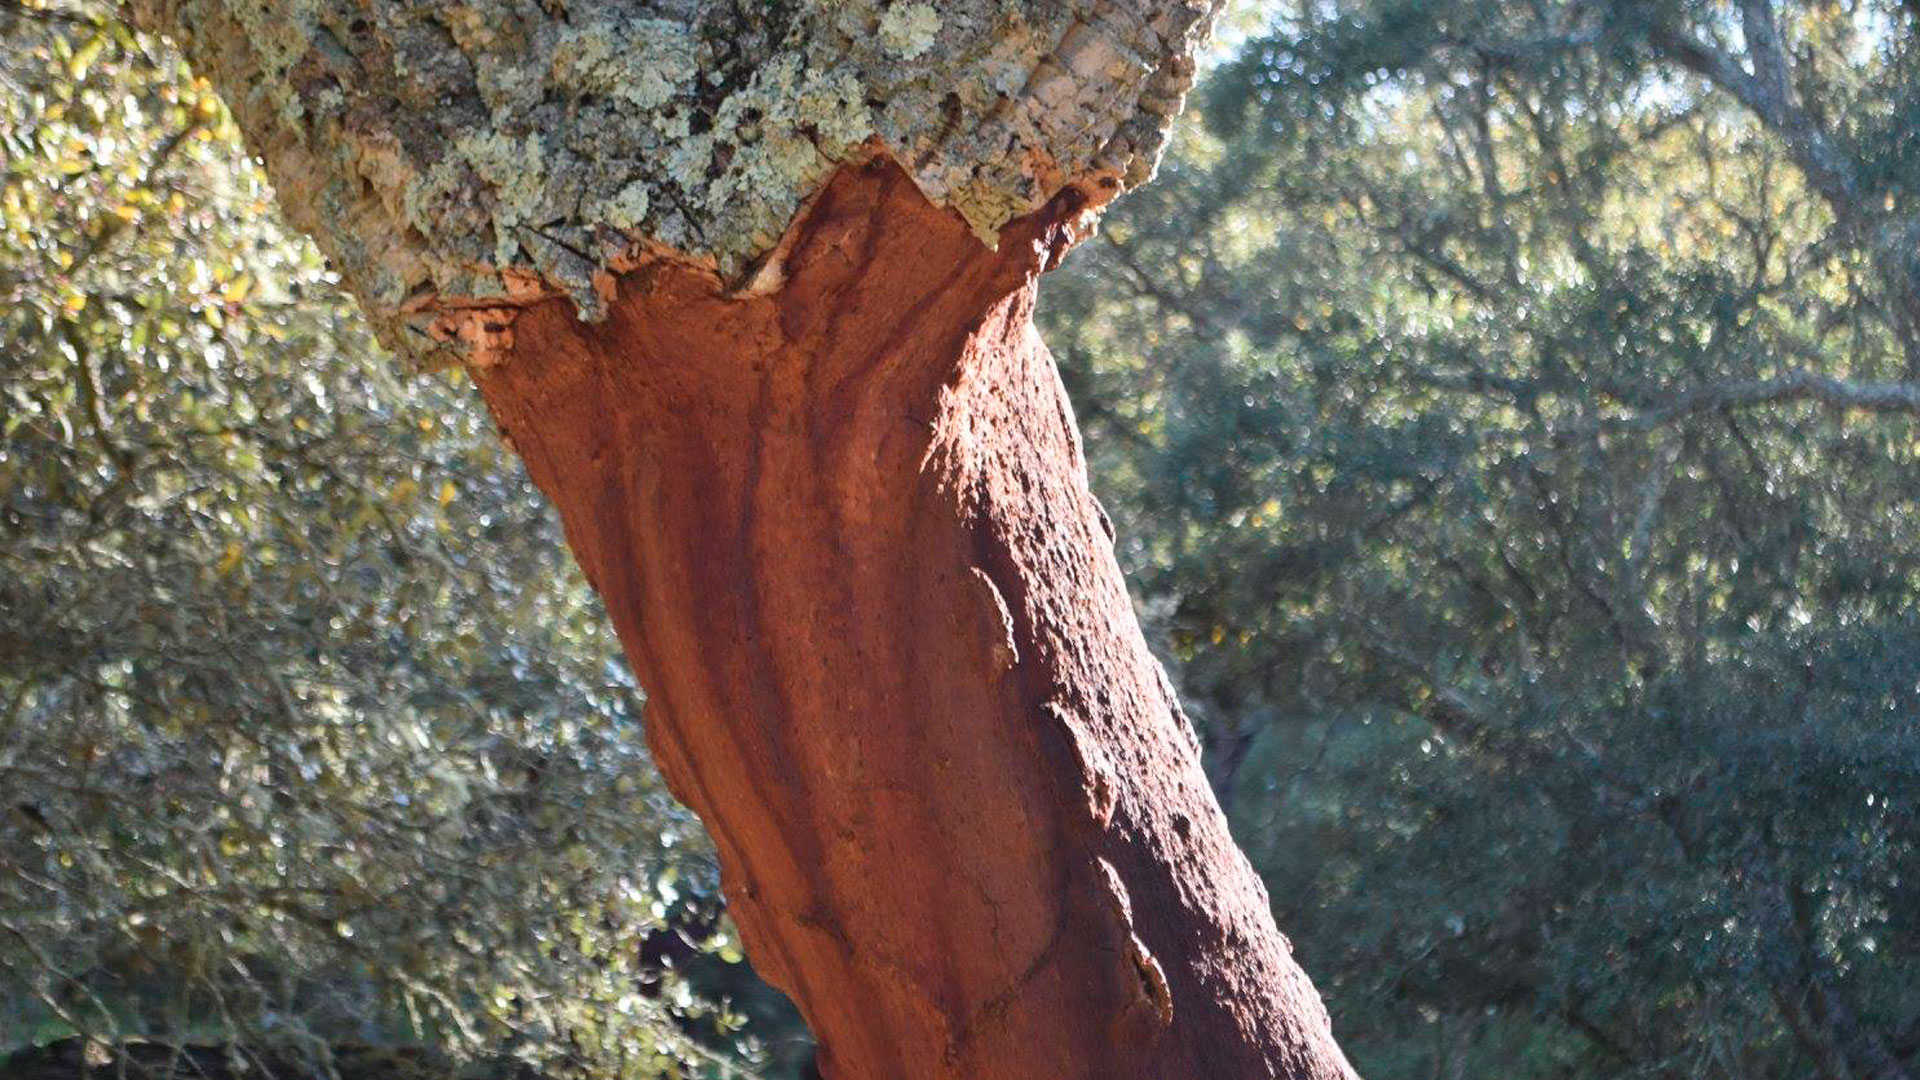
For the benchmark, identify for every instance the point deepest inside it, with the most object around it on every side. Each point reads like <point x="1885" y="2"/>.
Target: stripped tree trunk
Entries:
<point x="845" y="533"/>
<point x="832" y="492"/>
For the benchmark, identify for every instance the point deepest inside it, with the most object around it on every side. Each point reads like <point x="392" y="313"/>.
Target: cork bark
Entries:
<point x="451" y="155"/>
<point x="844" y="531"/>
<point x="749" y="286"/>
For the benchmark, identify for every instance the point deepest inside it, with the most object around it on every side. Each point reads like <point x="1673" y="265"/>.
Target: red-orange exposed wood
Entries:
<point x="844" y="530"/>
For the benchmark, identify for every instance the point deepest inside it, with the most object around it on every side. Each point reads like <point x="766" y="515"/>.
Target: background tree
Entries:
<point x="1510" y="406"/>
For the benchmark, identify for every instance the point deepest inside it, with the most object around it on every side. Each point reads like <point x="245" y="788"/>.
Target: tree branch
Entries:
<point x="1768" y="93"/>
<point x="1882" y="397"/>
<point x="1148" y="285"/>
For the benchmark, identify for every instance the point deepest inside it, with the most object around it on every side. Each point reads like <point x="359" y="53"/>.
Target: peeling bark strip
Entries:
<point x="844" y="531"/>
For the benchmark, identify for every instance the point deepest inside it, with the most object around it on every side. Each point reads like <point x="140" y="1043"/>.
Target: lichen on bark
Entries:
<point x="485" y="153"/>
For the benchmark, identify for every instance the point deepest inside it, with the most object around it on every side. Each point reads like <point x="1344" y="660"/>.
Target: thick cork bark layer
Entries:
<point x="843" y="528"/>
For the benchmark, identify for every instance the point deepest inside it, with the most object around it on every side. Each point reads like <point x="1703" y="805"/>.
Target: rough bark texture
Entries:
<point x="452" y="154"/>
<point x="844" y="530"/>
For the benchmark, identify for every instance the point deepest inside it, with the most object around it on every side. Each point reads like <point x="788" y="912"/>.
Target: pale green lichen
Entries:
<point x="448" y="151"/>
<point x="908" y="29"/>
<point x="642" y="62"/>
<point x="516" y="170"/>
<point x="628" y="209"/>
<point x="281" y="33"/>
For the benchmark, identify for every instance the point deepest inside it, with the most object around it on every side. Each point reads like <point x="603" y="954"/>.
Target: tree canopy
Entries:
<point x="1511" y="408"/>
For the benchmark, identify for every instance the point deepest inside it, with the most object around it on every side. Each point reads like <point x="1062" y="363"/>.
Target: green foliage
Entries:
<point x="308" y="729"/>
<point x="1509" y="414"/>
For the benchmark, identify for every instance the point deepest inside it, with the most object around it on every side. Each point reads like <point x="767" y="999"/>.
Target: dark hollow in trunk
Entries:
<point x="844" y="531"/>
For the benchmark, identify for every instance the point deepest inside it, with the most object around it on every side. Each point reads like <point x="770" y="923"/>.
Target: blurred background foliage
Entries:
<point x="1508" y="408"/>
<point x="309" y="730"/>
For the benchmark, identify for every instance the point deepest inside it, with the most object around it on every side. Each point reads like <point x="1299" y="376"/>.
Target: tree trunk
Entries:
<point x="843" y="528"/>
<point x="812" y="453"/>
